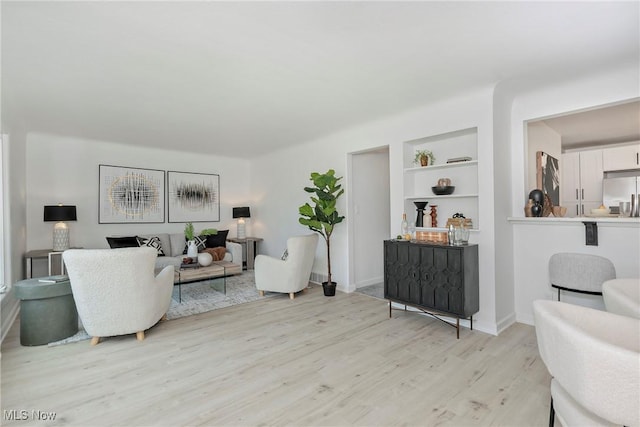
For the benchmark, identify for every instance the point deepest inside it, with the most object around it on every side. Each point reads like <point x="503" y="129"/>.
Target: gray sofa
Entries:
<point x="173" y="245"/>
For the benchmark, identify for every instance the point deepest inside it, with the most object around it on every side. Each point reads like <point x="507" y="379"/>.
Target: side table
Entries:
<point x="47" y="311"/>
<point x="250" y="247"/>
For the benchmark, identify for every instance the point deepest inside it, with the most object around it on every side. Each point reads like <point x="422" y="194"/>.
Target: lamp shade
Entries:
<point x="60" y="213"/>
<point x="242" y="212"/>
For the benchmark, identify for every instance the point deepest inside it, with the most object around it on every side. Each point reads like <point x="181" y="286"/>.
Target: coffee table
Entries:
<point x="217" y="269"/>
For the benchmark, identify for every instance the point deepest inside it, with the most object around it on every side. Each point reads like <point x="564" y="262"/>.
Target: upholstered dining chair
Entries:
<point x="582" y="273"/>
<point x="594" y="360"/>
<point x="289" y="275"/>
<point x="116" y="290"/>
<point x="622" y="296"/>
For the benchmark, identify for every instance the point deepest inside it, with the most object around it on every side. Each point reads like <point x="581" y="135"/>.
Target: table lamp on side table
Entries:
<point x="241" y="213"/>
<point x="60" y="213"/>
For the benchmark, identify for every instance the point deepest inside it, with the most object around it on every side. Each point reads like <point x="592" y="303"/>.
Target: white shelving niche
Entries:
<point x="463" y="175"/>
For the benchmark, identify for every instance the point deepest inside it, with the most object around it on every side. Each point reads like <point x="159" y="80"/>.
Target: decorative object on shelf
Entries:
<point x="559" y="211"/>
<point x="547" y="206"/>
<point x="59" y="214"/>
<point x="461" y="235"/>
<point x="205" y="259"/>
<point x="527" y="208"/>
<point x="434" y="215"/>
<point x="431" y="236"/>
<point x="241" y="213"/>
<point x="424" y="158"/>
<point x="420" y="213"/>
<point x="404" y="228"/>
<point x="193" y="197"/>
<point x="130" y="195"/>
<point x="443" y="191"/>
<point x="548" y="176"/>
<point x="444" y="182"/>
<point x="324" y="216"/>
<point x="458" y="220"/>
<point x="459" y="159"/>
<point x="537" y="196"/>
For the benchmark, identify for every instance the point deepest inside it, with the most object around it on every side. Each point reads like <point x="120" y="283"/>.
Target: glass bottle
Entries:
<point x="404" y="226"/>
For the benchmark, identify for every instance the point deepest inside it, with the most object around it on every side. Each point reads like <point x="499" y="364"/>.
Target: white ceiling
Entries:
<point x="599" y="126"/>
<point x="244" y="78"/>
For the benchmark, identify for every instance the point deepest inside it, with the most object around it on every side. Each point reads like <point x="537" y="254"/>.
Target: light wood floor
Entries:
<point x="309" y="361"/>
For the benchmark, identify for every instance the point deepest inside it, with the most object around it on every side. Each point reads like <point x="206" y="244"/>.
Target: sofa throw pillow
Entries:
<point x="201" y="243"/>
<point x="152" y="242"/>
<point x="217" y="254"/>
<point x="218" y="240"/>
<point x="123" y="242"/>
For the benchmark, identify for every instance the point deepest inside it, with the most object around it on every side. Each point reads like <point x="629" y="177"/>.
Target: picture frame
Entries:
<point x="130" y="195"/>
<point x="193" y="197"/>
<point x="548" y="176"/>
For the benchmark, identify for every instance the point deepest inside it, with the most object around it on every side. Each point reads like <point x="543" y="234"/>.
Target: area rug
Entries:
<point x="200" y="297"/>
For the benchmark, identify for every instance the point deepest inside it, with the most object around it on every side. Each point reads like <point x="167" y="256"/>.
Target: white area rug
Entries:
<point x="200" y="297"/>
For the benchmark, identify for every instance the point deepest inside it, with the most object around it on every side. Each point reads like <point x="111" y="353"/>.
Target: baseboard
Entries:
<point x="369" y="282"/>
<point x="503" y="324"/>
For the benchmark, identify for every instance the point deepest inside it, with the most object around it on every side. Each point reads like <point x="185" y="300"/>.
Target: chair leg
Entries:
<point x="95" y="340"/>
<point x="558" y="294"/>
<point x="261" y="293"/>
<point x="140" y="335"/>
<point x="291" y="295"/>
<point x="164" y="317"/>
<point x="552" y="414"/>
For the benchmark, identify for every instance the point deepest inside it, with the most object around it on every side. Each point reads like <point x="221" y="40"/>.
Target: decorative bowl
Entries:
<point x="443" y="191"/>
<point x="600" y="212"/>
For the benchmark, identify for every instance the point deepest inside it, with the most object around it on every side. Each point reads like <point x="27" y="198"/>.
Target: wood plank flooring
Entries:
<point x="309" y="361"/>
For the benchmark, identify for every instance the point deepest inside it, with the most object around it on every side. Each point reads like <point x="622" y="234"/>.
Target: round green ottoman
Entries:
<point x="47" y="311"/>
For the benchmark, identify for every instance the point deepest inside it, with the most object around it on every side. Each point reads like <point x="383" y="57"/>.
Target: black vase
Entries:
<point x="537" y="196"/>
<point x="536" y="209"/>
<point x="420" y="208"/>
<point x="329" y="289"/>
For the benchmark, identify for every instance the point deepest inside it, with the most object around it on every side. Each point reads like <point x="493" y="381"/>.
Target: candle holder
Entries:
<point x="420" y="208"/>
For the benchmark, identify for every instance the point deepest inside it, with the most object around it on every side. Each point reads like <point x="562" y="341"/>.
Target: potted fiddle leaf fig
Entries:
<point x="323" y="216"/>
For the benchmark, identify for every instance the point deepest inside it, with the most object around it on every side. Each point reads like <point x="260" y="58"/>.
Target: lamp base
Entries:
<point x="241" y="230"/>
<point x="60" y="239"/>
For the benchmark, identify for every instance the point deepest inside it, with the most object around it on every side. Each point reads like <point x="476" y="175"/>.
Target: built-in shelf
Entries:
<point x="418" y="180"/>
<point x="433" y="196"/>
<point x="442" y="166"/>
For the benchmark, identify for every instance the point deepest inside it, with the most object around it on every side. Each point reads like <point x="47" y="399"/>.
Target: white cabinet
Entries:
<point x="581" y="186"/>
<point x="463" y="175"/>
<point x="621" y="158"/>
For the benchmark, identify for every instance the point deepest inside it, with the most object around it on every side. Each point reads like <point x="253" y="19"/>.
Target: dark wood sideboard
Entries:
<point x="435" y="278"/>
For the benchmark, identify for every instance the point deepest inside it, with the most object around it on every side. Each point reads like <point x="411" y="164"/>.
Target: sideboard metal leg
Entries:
<point x="458" y="327"/>
<point x="472" y="323"/>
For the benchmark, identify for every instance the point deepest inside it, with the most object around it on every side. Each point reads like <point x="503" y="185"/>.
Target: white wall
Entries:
<point x="541" y="137"/>
<point x="278" y="179"/>
<point x="64" y="169"/>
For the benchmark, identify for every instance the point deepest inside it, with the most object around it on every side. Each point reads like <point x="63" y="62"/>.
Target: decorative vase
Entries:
<point x="329" y="289"/>
<point x="205" y="259"/>
<point x="420" y="217"/>
<point x="424" y="161"/>
<point x="536" y="210"/>
<point x="192" y="249"/>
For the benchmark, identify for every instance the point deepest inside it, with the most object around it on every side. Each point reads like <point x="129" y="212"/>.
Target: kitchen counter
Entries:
<point x="604" y="220"/>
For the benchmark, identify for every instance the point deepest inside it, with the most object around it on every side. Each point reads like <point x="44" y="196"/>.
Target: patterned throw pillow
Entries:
<point x="152" y="242"/>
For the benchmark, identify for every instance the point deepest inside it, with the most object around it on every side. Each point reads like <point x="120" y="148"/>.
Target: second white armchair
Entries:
<point x="288" y="275"/>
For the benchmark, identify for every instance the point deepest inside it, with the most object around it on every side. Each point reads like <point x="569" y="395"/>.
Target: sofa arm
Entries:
<point x="235" y="249"/>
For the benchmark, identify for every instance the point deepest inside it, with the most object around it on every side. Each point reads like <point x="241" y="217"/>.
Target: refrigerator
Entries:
<point x="620" y="189"/>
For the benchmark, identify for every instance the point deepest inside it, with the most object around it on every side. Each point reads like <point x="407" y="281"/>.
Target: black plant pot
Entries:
<point x="329" y="289"/>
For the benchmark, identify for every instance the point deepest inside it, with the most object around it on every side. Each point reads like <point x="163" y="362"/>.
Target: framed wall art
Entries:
<point x="193" y="197"/>
<point x="548" y="176"/>
<point x="130" y="195"/>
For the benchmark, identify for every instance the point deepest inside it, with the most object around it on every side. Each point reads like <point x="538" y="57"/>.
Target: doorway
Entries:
<point x="369" y="209"/>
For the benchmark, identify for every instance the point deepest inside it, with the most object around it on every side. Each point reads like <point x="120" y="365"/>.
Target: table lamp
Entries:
<point x="60" y="213"/>
<point x="241" y="213"/>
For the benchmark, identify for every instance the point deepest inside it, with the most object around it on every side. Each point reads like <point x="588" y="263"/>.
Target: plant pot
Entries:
<point x="329" y="289"/>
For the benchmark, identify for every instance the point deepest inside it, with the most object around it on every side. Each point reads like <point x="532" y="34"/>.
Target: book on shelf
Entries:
<point x="54" y="279"/>
<point x="459" y="159"/>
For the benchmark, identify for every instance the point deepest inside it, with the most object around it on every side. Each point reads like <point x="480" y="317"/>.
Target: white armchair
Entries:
<point x="116" y="291"/>
<point x="290" y="275"/>
<point x="594" y="359"/>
